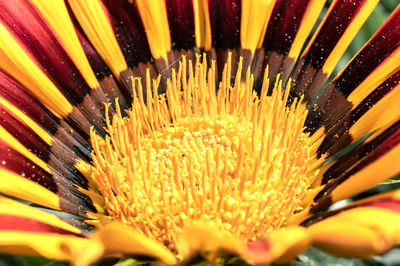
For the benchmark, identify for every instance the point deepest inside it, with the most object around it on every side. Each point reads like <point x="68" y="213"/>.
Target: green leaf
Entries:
<point x="392" y="258"/>
<point x="126" y="262"/>
<point x="315" y="257"/>
<point x="389" y="182"/>
<point x="11" y="260"/>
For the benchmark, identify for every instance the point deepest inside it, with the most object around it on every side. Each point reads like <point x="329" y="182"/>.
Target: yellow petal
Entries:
<point x="17" y="186"/>
<point x="12" y="207"/>
<point x="120" y="239"/>
<point x="203" y="238"/>
<point x="360" y="232"/>
<point x="59" y="247"/>
<point x="288" y="242"/>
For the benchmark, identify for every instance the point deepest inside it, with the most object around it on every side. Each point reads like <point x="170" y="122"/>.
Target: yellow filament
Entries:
<point x="232" y="160"/>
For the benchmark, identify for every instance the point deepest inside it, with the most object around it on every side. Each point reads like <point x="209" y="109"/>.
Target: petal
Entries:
<point x="344" y="19"/>
<point x="342" y="239"/>
<point x="118" y="34"/>
<point x="224" y="23"/>
<point x="47" y="38"/>
<point x="129" y="31"/>
<point x="280" y="246"/>
<point x="284" y="245"/>
<point x="29" y="111"/>
<point x="254" y="22"/>
<point x="99" y="32"/>
<point x="16" y="95"/>
<point x="18" y="64"/>
<point x="55" y="13"/>
<point x="59" y="247"/>
<point x="25" y="230"/>
<point x="25" y="179"/>
<point x="381" y="112"/>
<point x="121" y="239"/>
<point x="383" y="52"/>
<point x="388" y="200"/>
<point x="361" y="169"/>
<point x="328" y="44"/>
<point x="290" y="24"/>
<point x="37" y="149"/>
<point x="360" y="85"/>
<point x="155" y="21"/>
<point x="202" y="238"/>
<point x="13" y="211"/>
<point x="18" y="185"/>
<point x="33" y="147"/>
<point x="36" y="38"/>
<point x="45" y="70"/>
<point x="202" y="24"/>
<point x="362" y="229"/>
<point x="377" y="112"/>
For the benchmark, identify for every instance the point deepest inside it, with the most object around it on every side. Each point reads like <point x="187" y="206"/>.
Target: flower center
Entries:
<point x="232" y="160"/>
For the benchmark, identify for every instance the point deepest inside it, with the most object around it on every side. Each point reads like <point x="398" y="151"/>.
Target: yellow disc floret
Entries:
<point x="226" y="157"/>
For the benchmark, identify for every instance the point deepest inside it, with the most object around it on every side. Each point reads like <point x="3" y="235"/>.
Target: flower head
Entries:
<point x="230" y="159"/>
<point x="177" y="129"/>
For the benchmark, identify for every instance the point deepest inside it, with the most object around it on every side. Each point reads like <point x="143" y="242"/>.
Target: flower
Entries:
<point x="173" y="130"/>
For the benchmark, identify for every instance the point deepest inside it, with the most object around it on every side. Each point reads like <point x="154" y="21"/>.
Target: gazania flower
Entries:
<point x="177" y="130"/>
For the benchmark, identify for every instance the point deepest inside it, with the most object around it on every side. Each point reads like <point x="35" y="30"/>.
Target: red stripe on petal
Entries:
<point x="225" y="17"/>
<point x="284" y="24"/>
<point x="382" y="44"/>
<point x="385" y="146"/>
<point x="347" y="161"/>
<point x="19" y="164"/>
<point x="63" y="179"/>
<point x="383" y="89"/>
<point x="129" y="31"/>
<point x="337" y="21"/>
<point x="24" y="23"/>
<point x="24" y="134"/>
<point x="386" y="203"/>
<point x="355" y="161"/>
<point x="18" y="223"/>
<point x="98" y="65"/>
<point x="181" y="23"/>
<point x="103" y="73"/>
<point x="332" y="104"/>
<point x="340" y="124"/>
<point x="20" y="97"/>
<point x="259" y="246"/>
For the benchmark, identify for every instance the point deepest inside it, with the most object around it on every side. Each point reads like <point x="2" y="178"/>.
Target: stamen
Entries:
<point x="230" y="159"/>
